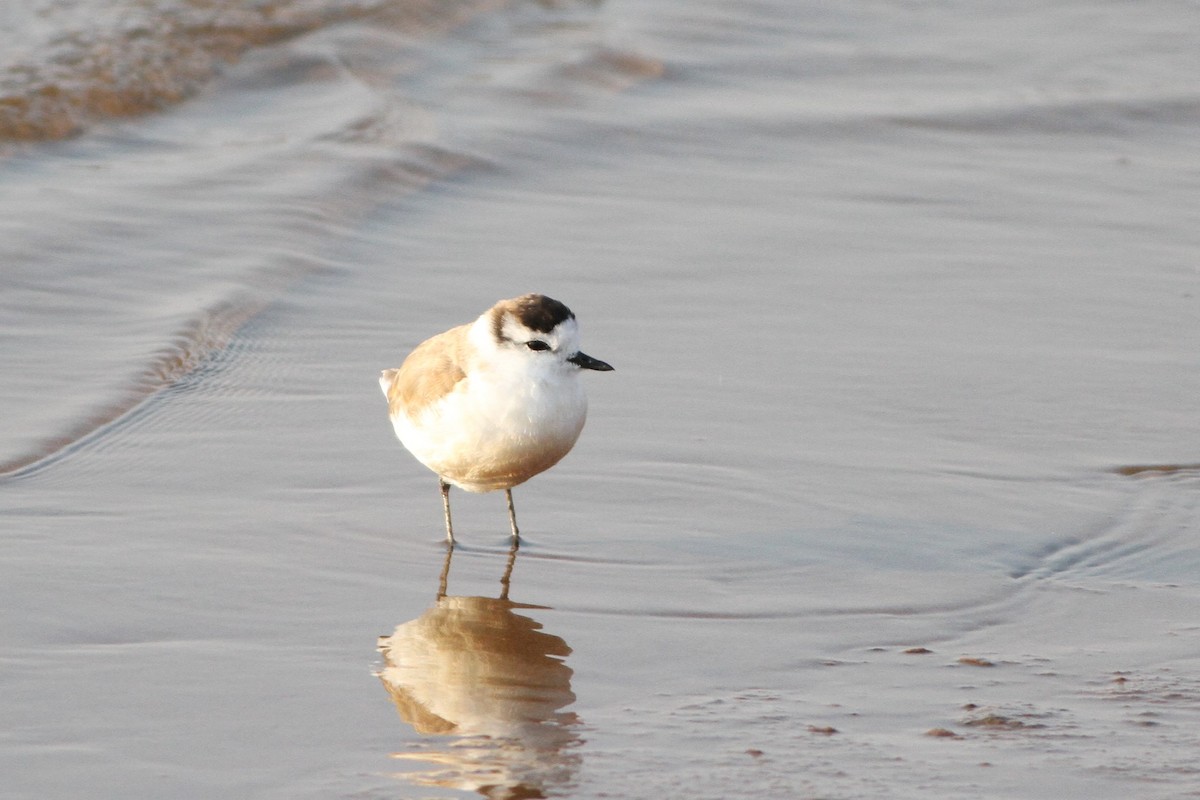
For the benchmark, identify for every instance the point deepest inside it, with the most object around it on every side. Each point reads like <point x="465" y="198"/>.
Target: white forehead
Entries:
<point x="564" y="336"/>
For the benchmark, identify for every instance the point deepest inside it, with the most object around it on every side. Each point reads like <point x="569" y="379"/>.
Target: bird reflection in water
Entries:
<point x="490" y="685"/>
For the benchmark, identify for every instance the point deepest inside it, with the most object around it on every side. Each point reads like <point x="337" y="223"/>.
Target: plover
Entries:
<point x="490" y="404"/>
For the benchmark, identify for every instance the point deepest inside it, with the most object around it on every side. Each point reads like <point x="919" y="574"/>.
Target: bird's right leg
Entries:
<point x="446" y="505"/>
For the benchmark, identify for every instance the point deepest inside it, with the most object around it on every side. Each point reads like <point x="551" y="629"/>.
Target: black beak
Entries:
<point x="584" y="361"/>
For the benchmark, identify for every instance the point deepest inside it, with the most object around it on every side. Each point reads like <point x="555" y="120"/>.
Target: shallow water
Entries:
<point x="892" y="492"/>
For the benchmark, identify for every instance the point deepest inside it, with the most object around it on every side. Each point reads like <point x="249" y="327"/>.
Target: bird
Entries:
<point x="489" y="404"/>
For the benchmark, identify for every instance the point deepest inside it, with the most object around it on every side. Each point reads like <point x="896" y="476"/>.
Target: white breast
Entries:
<point x="498" y="427"/>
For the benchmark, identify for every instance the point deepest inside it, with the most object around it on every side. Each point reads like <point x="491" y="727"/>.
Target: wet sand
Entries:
<point x="892" y="492"/>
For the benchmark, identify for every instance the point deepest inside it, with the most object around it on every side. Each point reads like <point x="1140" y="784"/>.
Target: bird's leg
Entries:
<point x="446" y="505"/>
<point x="512" y="516"/>
<point x="508" y="568"/>
<point x="444" y="578"/>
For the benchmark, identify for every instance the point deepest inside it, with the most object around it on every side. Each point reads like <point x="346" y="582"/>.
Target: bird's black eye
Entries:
<point x="537" y="344"/>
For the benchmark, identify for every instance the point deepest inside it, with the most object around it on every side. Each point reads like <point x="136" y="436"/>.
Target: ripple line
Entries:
<point x="201" y="339"/>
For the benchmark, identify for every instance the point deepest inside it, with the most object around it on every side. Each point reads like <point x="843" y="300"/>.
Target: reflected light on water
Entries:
<point x="486" y="686"/>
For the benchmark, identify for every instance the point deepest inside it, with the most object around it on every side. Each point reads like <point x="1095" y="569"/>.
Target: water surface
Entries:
<point x="892" y="492"/>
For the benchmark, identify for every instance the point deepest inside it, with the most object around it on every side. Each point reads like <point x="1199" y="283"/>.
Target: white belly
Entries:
<point x="487" y="435"/>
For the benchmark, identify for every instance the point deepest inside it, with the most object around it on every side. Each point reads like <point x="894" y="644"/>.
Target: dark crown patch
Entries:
<point x="540" y="313"/>
<point x="535" y="311"/>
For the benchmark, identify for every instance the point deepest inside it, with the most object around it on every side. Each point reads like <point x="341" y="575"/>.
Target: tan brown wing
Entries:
<point x="430" y="372"/>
